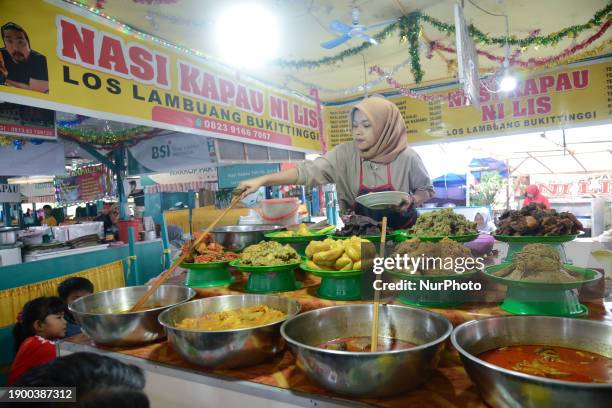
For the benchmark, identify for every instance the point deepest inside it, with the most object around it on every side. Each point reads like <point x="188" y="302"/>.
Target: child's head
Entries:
<point x="101" y="381"/>
<point x="74" y="288"/>
<point x="44" y="317"/>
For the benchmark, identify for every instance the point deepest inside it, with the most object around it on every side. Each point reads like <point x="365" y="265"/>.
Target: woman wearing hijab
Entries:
<point x="378" y="159"/>
<point x="483" y="223"/>
<point x="485" y="241"/>
<point x="533" y="195"/>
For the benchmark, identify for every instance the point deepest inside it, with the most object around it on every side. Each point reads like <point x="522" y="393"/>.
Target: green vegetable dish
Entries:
<point x="442" y="223"/>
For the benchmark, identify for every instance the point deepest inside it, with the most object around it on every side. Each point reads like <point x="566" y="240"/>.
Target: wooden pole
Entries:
<point x="180" y="260"/>
<point x="383" y="240"/>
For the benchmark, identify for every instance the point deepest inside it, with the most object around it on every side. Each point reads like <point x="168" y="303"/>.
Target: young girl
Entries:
<point x="40" y="322"/>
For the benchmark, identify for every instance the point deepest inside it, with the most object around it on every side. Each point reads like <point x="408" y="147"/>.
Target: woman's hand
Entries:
<point x="407" y="203"/>
<point x="251" y="185"/>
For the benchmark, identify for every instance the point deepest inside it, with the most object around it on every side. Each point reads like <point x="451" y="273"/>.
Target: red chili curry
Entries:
<point x="559" y="363"/>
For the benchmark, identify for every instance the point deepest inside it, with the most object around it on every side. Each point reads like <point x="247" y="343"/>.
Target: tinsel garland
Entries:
<point x="424" y="97"/>
<point x="403" y="89"/>
<point x="409" y="29"/>
<point x="107" y="140"/>
<point x="101" y="3"/>
<point x="410" y="24"/>
<point x="536" y="62"/>
<point x="351" y="90"/>
<point x="540" y="40"/>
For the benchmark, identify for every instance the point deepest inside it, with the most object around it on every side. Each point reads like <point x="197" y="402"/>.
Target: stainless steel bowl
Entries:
<point x="506" y="388"/>
<point x="238" y="237"/>
<point x="377" y="374"/>
<point x="98" y="317"/>
<point x="228" y="348"/>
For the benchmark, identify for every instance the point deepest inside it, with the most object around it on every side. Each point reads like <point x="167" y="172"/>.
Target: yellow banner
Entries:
<point x="54" y="57"/>
<point x="568" y="97"/>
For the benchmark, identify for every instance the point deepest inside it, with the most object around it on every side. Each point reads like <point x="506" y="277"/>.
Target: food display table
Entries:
<point x="279" y="382"/>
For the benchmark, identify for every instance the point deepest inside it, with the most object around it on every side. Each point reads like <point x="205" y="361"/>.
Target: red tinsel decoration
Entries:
<point x="533" y="62"/>
<point x="402" y="89"/>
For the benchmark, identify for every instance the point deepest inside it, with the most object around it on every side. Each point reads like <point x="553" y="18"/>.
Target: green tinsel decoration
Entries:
<point x="540" y="40"/>
<point x="411" y="22"/>
<point x="105" y="139"/>
<point x="410" y="28"/>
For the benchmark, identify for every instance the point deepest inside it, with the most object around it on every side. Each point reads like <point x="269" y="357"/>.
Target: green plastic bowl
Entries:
<point x="207" y="275"/>
<point x="337" y="285"/>
<point x="542" y="298"/>
<point x="535" y="239"/>
<point x="404" y="236"/>
<point x="269" y="279"/>
<point x="432" y="298"/>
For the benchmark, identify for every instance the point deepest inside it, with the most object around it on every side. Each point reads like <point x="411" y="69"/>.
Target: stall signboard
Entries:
<point x="82" y="185"/>
<point x="83" y="64"/>
<point x="10" y="193"/>
<point x="38" y="192"/>
<point x="33" y="159"/>
<point x="176" y="151"/>
<point x="574" y="95"/>
<point x="574" y="185"/>
<point x="27" y="121"/>
<point x="230" y="176"/>
<point x="185" y="180"/>
<point x="205" y="174"/>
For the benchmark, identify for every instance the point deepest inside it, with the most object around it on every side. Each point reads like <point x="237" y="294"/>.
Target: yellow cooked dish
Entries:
<point x="242" y="318"/>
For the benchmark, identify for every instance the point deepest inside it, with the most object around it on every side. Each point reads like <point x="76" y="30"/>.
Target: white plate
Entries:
<point x="381" y="200"/>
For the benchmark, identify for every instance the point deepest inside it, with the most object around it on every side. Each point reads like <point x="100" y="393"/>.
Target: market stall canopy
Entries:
<point x="578" y="150"/>
<point x="304" y="25"/>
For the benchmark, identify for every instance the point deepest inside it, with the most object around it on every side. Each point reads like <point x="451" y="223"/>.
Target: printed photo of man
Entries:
<point x="20" y="65"/>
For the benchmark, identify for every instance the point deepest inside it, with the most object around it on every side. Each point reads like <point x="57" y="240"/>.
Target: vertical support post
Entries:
<point x="165" y="241"/>
<point x="119" y="156"/>
<point x="134" y="271"/>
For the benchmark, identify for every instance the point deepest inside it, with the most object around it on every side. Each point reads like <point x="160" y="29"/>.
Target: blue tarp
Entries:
<point x="450" y="180"/>
<point x="484" y="164"/>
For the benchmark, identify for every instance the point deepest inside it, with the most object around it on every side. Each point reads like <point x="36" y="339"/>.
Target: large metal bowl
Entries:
<point x="238" y="237"/>
<point x="99" y="318"/>
<point x="377" y="374"/>
<point x="505" y="388"/>
<point x="228" y="348"/>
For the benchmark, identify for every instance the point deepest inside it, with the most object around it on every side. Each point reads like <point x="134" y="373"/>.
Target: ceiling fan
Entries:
<point x="352" y="31"/>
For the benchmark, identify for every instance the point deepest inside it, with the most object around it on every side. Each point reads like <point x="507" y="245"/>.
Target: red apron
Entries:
<point x="395" y="219"/>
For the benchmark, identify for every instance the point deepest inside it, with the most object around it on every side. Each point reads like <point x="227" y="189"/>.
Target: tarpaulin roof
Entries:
<point x="577" y="150"/>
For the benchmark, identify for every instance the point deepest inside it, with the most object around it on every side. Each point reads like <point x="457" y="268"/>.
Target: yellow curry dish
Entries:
<point x="243" y="318"/>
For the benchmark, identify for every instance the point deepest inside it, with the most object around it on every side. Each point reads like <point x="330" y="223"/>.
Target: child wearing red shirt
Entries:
<point x="40" y="322"/>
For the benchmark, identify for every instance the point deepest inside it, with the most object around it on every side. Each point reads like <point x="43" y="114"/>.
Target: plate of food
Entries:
<point x="435" y="225"/>
<point x="362" y="226"/>
<point x="382" y="200"/>
<point x="445" y="260"/>
<point x="267" y="256"/>
<point x="534" y="224"/>
<point x="539" y="283"/>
